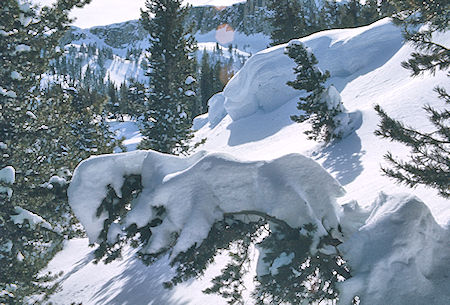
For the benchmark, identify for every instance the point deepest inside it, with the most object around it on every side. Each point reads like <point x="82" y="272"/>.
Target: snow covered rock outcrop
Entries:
<point x="261" y="83"/>
<point x="199" y="190"/>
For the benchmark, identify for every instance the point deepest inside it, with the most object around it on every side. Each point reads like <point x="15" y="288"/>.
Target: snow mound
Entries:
<point x="261" y="83"/>
<point x="90" y="181"/>
<point x="199" y="190"/>
<point x="400" y="256"/>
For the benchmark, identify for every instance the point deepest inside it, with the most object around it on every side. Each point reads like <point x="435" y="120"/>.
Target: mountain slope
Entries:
<point x="250" y="120"/>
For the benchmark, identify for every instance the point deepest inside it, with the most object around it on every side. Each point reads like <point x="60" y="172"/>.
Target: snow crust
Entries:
<point x="293" y="188"/>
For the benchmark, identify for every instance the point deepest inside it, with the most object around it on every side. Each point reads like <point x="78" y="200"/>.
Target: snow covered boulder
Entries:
<point x="345" y="53"/>
<point x="198" y="191"/>
<point x="400" y="256"/>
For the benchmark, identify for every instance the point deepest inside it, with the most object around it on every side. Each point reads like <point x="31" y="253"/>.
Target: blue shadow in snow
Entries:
<point x="343" y="158"/>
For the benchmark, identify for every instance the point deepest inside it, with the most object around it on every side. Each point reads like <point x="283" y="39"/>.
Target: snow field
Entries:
<point x="397" y="245"/>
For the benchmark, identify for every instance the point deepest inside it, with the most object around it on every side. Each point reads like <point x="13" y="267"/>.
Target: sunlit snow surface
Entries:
<point x="401" y="254"/>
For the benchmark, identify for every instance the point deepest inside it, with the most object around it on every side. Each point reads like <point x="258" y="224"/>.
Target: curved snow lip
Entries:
<point x="399" y="256"/>
<point x="347" y="54"/>
<point x="199" y="190"/>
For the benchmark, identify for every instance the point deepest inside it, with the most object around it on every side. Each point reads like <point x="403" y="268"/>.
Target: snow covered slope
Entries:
<point x="364" y="64"/>
<point x="398" y="246"/>
<point x="127" y="41"/>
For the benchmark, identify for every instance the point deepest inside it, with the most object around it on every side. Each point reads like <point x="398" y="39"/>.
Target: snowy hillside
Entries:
<point x="126" y="45"/>
<point x="397" y="245"/>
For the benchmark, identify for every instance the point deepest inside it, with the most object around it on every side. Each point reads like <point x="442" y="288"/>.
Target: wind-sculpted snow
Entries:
<point x="198" y="191"/>
<point x="348" y="53"/>
<point x="400" y="256"/>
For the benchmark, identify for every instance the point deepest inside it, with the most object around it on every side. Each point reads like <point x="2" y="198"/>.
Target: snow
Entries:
<point x="189" y="80"/>
<point x="7" y="176"/>
<point x="293" y="188"/>
<point x="32" y="219"/>
<point x="189" y="93"/>
<point x="31" y="115"/>
<point x="23" y="48"/>
<point x="400" y="256"/>
<point x="282" y="260"/>
<point x="261" y="84"/>
<point x="396" y="245"/>
<point x="7" y="93"/>
<point x="16" y="75"/>
<point x="216" y="109"/>
<point x="200" y="121"/>
<point x="90" y="180"/>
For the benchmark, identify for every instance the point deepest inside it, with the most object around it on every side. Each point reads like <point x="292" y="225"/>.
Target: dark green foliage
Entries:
<point x="116" y="208"/>
<point x="429" y="161"/>
<point x="309" y="276"/>
<point x="287" y="19"/>
<point x="24" y="250"/>
<point x="43" y="135"/>
<point x="167" y="120"/>
<point x="313" y="107"/>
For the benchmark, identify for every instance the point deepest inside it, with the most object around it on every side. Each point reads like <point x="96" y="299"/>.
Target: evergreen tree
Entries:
<point x="29" y="40"/>
<point x="287" y="20"/>
<point x="136" y="98"/>
<point x="167" y="121"/>
<point x="310" y="276"/>
<point x="351" y="14"/>
<point x="429" y="162"/>
<point x="314" y="107"/>
<point x="329" y="15"/>
<point x="206" y="79"/>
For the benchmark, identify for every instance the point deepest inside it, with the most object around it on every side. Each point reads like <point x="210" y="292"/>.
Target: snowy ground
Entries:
<point x="250" y="120"/>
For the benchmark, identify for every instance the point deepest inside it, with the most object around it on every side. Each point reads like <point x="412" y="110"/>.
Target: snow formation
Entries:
<point x="261" y="83"/>
<point x="399" y="256"/>
<point x="199" y="190"/>
<point x="7" y="177"/>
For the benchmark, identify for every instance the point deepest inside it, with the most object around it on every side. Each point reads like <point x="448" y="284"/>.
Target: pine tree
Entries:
<point x="206" y="79"/>
<point x="313" y="106"/>
<point x="429" y="162"/>
<point x="167" y="121"/>
<point x="287" y="20"/>
<point x="136" y="99"/>
<point x="329" y="15"/>
<point x="29" y="40"/>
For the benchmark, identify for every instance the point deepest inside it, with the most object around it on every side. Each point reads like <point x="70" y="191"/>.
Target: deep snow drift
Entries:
<point x="398" y="246"/>
<point x="199" y="190"/>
